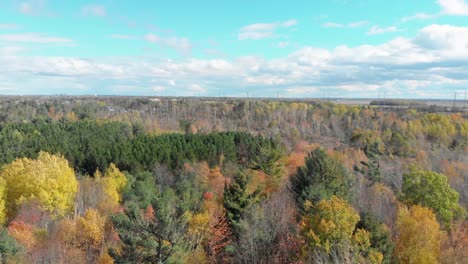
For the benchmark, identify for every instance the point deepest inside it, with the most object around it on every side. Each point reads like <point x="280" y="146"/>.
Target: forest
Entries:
<point x="181" y="180"/>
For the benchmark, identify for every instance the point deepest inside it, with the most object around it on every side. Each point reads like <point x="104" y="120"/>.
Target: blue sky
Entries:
<point x="333" y="48"/>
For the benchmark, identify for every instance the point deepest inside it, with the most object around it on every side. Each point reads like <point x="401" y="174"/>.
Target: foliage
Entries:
<point x="372" y="171"/>
<point x="380" y="236"/>
<point x="431" y="189"/>
<point x="237" y="200"/>
<point x="113" y="182"/>
<point x="89" y="234"/>
<point x="150" y="237"/>
<point x="178" y="199"/>
<point x="90" y="146"/>
<point x="8" y="245"/>
<point x="329" y="222"/>
<point x="320" y="178"/>
<point x="2" y="201"/>
<point x="49" y="179"/>
<point x="418" y="236"/>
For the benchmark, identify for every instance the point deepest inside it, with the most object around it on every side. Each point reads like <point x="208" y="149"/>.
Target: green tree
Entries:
<point x="8" y="246"/>
<point x="237" y="200"/>
<point x="320" y="178"/>
<point x="372" y="171"/>
<point x="380" y="236"/>
<point x="152" y="235"/>
<point x="267" y="159"/>
<point x="431" y="189"/>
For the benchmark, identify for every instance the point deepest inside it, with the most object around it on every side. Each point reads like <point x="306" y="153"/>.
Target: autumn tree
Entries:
<point x="419" y="236"/>
<point x="218" y="238"/>
<point x="264" y="228"/>
<point x="320" y="178"/>
<point x="328" y="223"/>
<point x="49" y="179"/>
<point x="89" y="234"/>
<point x="431" y="189"/>
<point x="2" y="201"/>
<point x="112" y="182"/>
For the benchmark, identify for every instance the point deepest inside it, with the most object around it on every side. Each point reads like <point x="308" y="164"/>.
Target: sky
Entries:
<point x="299" y="49"/>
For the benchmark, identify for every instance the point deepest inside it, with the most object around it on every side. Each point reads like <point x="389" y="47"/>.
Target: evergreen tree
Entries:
<point x="320" y="178"/>
<point x="8" y="245"/>
<point x="381" y="238"/>
<point x="372" y="167"/>
<point x="237" y="199"/>
<point x="152" y="235"/>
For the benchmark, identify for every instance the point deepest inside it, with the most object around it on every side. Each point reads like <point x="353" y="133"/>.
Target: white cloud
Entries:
<point x="9" y="26"/>
<point x="26" y="8"/>
<point x="454" y="7"/>
<point x="33" y="7"/>
<point x="263" y="30"/>
<point x="355" y="24"/>
<point x="358" y="24"/>
<point x="119" y="36"/>
<point x="419" y="16"/>
<point x="197" y="88"/>
<point x="283" y="44"/>
<point x="182" y="45"/>
<point x="428" y="64"/>
<point x="376" y="30"/>
<point x="159" y="88"/>
<point x="444" y="37"/>
<point x="333" y="25"/>
<point x="34" y="38"/>
<point x="8" y="51"/>
<point x="94" y="10"/>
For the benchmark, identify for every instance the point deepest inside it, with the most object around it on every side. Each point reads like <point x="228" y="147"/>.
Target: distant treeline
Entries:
<point x="398" y="103"/>
<point x="91" y="145"/>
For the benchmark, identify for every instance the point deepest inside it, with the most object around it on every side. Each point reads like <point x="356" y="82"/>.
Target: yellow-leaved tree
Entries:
<point x="112" y="184"/>
<point x="419" y="236"/>
<point x="89" y="235"/>
<point x="48" y="179"/>
<point x="2" y="201"/>
<point x="331" y="222"/>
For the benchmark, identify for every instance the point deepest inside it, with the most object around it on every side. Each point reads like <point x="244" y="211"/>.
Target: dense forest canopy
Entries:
<point x="173" y="180"/>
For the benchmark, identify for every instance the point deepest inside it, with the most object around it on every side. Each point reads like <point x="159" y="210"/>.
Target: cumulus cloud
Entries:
<point x="419" y="16"/>
<point x="454" y="7"/>
<point x="333" y="25"/>
<point x="376" y="30"/>
<point x="34" y="38"/>
<point x="26" y="8"/>
<point x="33" y="7"/>
<point x="355" y="24"/>
<point x="120" y="36"/>
<point x="9" y="26"/>
<point x="182" y="45"/>
<point x="426" y="65"/>
<point x="263" y="30"/>
<point x="94" y="10"/>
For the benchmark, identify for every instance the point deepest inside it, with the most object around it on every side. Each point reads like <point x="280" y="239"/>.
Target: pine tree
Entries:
<point x="236" y="198"/>
<point x="320" y="178"/>
<point x="150" y="236"/>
